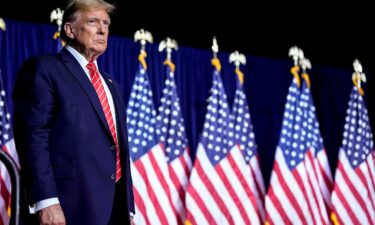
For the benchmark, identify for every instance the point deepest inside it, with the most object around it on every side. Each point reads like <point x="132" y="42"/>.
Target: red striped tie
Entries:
<point x="98" y="85"/>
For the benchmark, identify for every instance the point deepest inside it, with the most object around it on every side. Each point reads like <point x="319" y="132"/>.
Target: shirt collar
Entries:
<point x="79" y="57"/>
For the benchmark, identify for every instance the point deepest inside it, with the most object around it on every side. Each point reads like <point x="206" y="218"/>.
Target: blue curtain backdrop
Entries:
<point x="266" y="84"/>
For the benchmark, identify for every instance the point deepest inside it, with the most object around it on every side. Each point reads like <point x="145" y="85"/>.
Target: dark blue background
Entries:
<point x="266" y="83"/>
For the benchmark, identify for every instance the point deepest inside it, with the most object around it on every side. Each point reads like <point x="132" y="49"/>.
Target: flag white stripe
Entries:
<point x="355" y="180"/>
<point x="11" y="148"/>
<point x="370" y="181"/>
<point x="316" y="199"/>
<point x="140" y="185"/>
<point x="281" y="196"/>
<point x="5" y="177"/>
<point x="195" y="210"/>
<point x="324" y="188"/>
<point x="259" y="194"/>
<point x="308" y="174"/>
<point x="251" y="212"/>
<point x="3" y="211"/>
<point x="296" y="191"/>
<point x="138" y="219"/>
<point x="353" y="203"/>
<point x="160" y="192"/>
<point x="187" y="159"/>
<point x="254" y="163"/>
<point x="368" y="199"/>
<point x="177" y="201"/>
<point x="273" y="212"/>
<point x="340" y="209"/>
<point x="210" y="171"/>
<point x="178" y="168"/>
<point x="221" y="190"/>
<point x="209" y="202"/>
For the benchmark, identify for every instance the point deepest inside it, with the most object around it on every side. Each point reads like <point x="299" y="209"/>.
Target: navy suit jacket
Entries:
<point x="64" y="142"/>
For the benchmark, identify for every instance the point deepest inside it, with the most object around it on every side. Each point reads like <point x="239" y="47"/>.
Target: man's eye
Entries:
<point x="92" y="22"/>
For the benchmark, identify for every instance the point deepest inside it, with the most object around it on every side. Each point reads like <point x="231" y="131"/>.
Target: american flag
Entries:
<point x="244" y="137"/>
<point x="315" y="141"/>
<point x="148" y="163"/>
<point x="294" y="196"/>
<point x="173" y="138"/>
<point x="353" y="196"/>
<point x="7" y="145"/>
<point x="219" y="190"/>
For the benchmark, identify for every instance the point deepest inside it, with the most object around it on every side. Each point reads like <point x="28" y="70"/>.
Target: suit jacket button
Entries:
<point x="113" y="147"/>
<point x="113" y="176"/>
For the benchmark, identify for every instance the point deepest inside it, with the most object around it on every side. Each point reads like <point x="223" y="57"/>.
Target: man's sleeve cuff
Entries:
<point x="33" y="208"/>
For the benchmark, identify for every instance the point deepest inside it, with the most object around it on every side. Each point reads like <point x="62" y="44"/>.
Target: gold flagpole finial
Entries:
<point x="358" y="76"/>
<point x="57" y="17"/>
<point x="305" y="64"/>
<point x="2" y="24"/>
<point x="143" y="36"/>
<point x="168" y="45"/>
<point x="215" y="49"/>
<point x="296" y="54"/>
<point x="238" y="59"/>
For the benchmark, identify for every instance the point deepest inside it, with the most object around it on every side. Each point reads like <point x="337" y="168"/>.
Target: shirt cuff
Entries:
<point x="33" y="208"/>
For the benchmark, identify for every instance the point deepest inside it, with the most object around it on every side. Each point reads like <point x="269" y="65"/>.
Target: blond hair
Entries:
<point x="74" y="6"/>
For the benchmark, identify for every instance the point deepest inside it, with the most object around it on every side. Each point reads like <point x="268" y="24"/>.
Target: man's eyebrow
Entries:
<point x="108" y="20"/>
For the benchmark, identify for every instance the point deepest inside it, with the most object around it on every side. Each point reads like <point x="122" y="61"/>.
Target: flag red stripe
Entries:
<point x="326" y="177"/>
<point x="190" y="218"/>
<point x="206" y="180"/>
<point x="242" y="179"/>
<point x="183" y="162"/>
<point x="307" y="200"/>
<point x="288" y="192"/>
<point x="176" y="183"/>
<point x="372" y="176"/>
<point x="159" y="211"/>
<point x="202" y="206"/>
<point x="363" y="179"/>
<point x="180" y="190"/>
<point x="5" y="149"/>
<point x="343" y="201"/>
<point x="4" y="193"/>
<point x="1" y="220"/>
<point x="311" y="159"/>
<point x="257" y="185"/>
<point x="353" y="190"/>
<point x="232" y="193"/>
<point x="243" y="182"/>
<point x="280" y="209"/>
<point x="140" y="204"/>
<point x="161" y="178"/>
<point x="259" y="180"/>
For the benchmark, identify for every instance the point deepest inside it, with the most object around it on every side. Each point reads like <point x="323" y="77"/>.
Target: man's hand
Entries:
<point x="132" y="221"/>
<point x="52" y="215"/>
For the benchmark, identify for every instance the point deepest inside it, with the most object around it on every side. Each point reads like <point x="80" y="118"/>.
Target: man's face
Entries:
<point x="90" y="30"/>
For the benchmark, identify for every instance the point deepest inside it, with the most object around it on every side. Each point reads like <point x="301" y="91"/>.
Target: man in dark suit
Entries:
<point x="70" y="128"/>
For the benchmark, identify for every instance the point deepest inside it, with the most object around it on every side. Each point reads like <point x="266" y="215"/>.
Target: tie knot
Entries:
<point x="92" y="68"/>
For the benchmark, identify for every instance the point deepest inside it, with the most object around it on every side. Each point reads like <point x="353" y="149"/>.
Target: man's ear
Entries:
<point x="69" y="30"/>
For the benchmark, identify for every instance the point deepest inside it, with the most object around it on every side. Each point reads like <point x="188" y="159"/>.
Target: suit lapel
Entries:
<point x="80" y="75"/>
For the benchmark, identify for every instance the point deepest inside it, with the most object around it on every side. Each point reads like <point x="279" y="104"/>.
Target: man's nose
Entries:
<point x="102" y="28"/>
